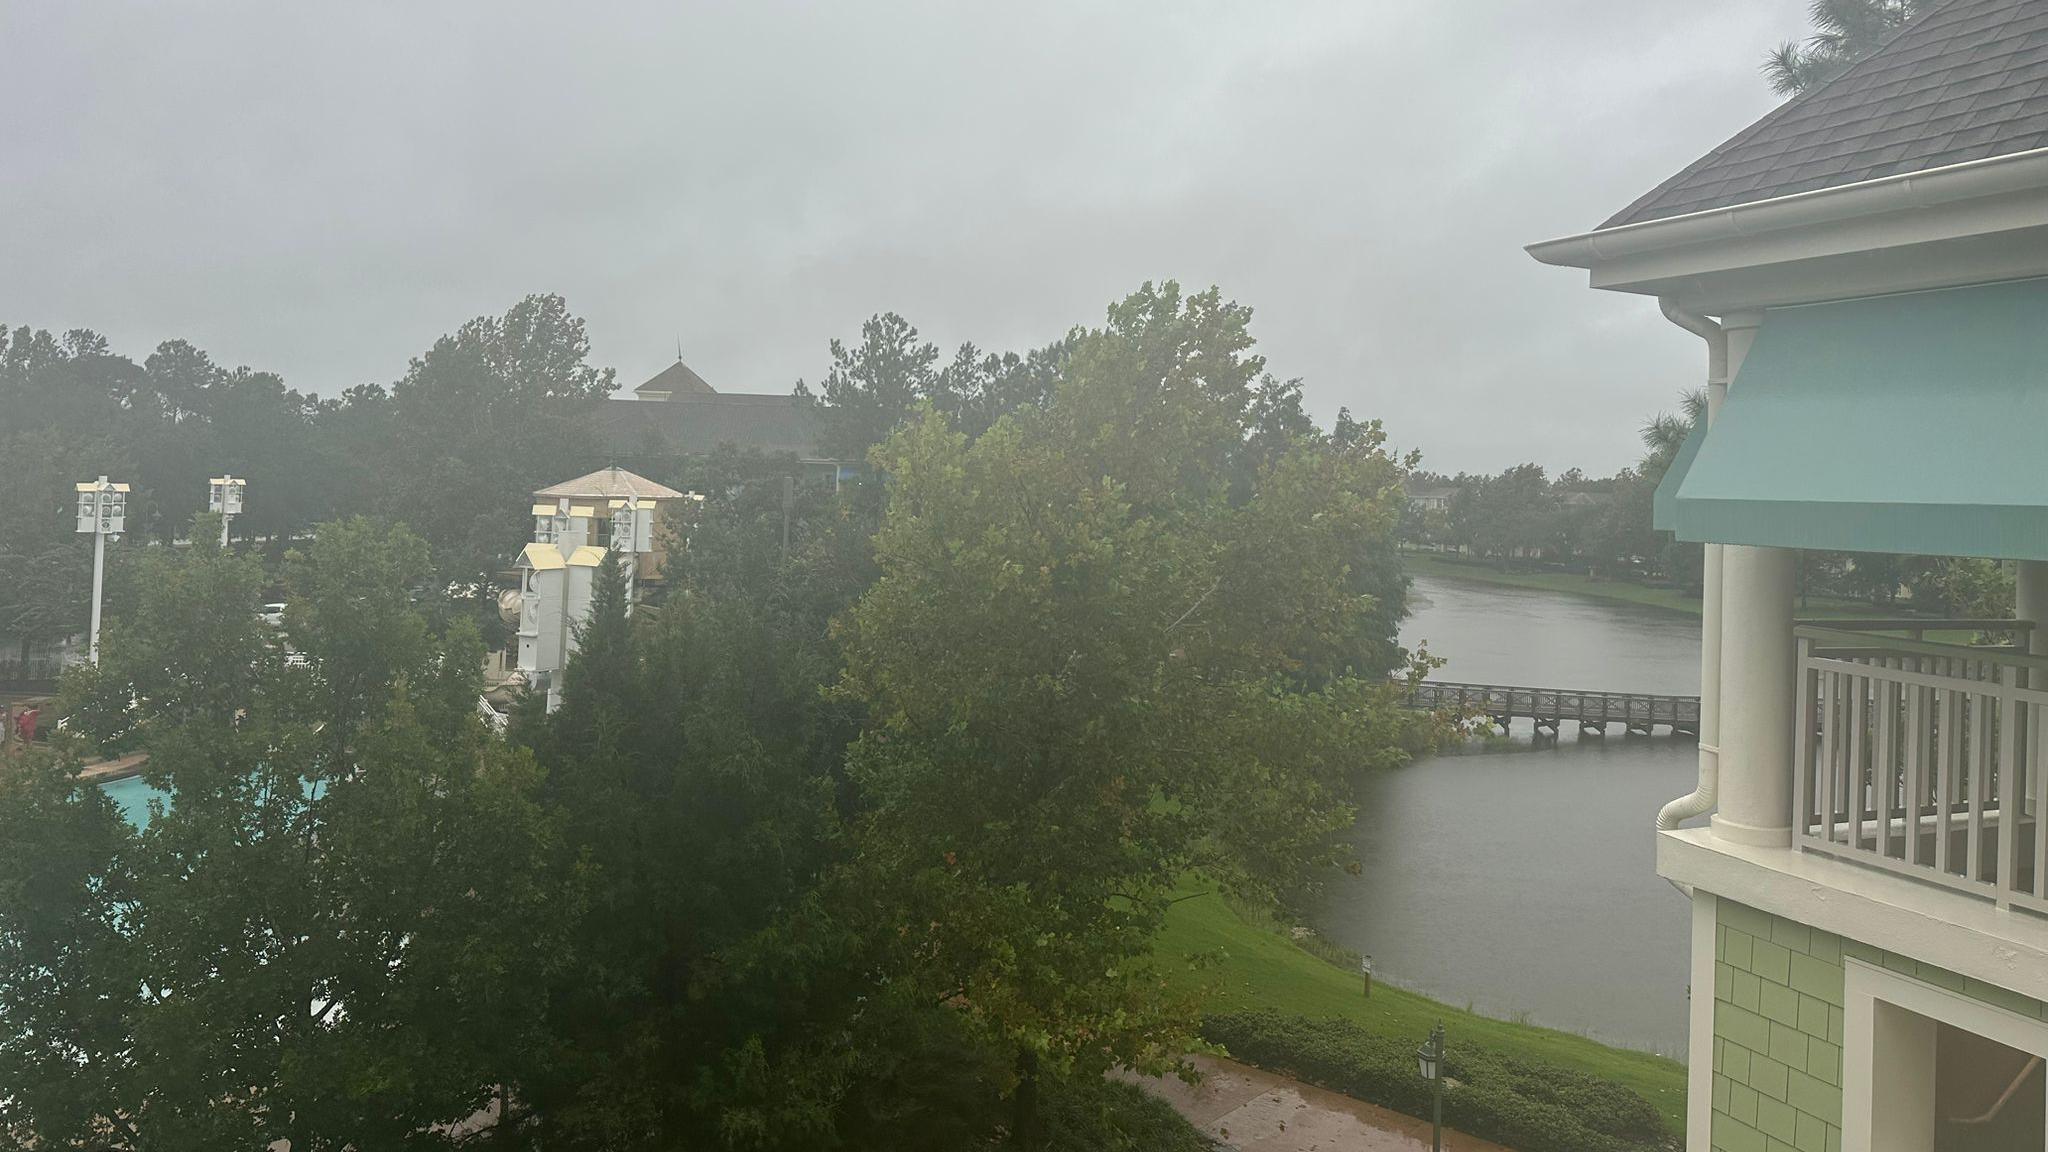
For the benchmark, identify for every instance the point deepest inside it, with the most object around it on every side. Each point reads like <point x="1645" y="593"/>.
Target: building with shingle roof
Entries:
<point x="1966" y="81"/>
<point x="678" y="379"/>
<point x="1865" y="851"/>
<point x="677" y="414"/>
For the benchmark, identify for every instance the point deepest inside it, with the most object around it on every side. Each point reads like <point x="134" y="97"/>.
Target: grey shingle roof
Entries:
<point x="1966" y="81"/>
<point x="680" y="379"/>
<point x="698" y="425"/>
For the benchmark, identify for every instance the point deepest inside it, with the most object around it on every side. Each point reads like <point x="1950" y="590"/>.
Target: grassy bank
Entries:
<point x="1261" y="968"/>
<point x="1628" y="592"/>
<point x="1571" y="583"/>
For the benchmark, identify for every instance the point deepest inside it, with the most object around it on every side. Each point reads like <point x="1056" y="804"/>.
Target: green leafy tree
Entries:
<point x="1114" y="641"/>
<point x="1962" y="587"/>
<point x="487" y="415"/>
<point x="873" y="385"/>
<point x="327" y="933"/>
<point x="1845" y="31"/>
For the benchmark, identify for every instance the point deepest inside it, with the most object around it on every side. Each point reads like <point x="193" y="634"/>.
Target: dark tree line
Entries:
<point x="1605" y="526"/>
<point x="491" y="411"/>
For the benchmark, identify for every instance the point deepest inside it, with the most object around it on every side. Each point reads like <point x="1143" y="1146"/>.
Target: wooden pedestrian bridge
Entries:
<point x="1552" y="708"/>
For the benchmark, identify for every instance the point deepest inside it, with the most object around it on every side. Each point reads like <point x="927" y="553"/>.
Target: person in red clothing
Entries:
<point x="25" y="724"/>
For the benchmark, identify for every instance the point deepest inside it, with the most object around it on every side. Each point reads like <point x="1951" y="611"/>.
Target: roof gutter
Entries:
<point x="1994" y="175"/>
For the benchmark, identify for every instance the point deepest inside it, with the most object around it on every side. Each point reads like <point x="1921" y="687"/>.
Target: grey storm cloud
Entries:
<point x="323" y="191"/>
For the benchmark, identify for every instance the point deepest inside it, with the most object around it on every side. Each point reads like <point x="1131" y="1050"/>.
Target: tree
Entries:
<point x="329" y="930"/>
<point x="1845" y="31"/>
<point x="487" y="415"/>
<point x="1113" y="642"/>
<point x="1514" y="514"/>
<point x="873" y="385"/>
<point x="1665" y="434"/>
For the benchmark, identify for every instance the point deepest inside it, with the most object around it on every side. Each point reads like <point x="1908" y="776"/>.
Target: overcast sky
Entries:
<point x="322" y="197"/>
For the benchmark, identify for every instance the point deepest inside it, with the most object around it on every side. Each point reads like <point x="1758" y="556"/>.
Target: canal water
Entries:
<point x="1518" y="876"/>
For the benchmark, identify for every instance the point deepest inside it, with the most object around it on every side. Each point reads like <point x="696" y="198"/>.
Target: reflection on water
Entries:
<point x="1519" y="876"/>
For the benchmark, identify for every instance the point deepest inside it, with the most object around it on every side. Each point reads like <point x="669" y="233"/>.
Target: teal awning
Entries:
<point x="1915" y="423"/>
<point x="1664" y="501"/>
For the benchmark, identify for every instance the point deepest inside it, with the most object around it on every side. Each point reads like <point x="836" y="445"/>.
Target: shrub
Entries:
<point x="1528" y="1106"/>
<point x="1098" y="1115"/>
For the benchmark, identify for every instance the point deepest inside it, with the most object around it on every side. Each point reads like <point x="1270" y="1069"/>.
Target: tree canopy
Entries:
<point x="856" y="841"/>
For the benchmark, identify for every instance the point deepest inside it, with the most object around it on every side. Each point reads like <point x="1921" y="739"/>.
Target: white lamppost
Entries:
<point x="224" y="496"/>
<point x="103" y="512"/>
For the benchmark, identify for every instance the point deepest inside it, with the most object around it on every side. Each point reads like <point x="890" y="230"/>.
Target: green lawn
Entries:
<point x="1576" y="584"/>
<point x="1628" y="592"/>
<point x="1262" y="968"/>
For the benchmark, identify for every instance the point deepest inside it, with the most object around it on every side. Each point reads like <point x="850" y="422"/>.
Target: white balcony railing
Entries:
<point x="1922" y="758"/>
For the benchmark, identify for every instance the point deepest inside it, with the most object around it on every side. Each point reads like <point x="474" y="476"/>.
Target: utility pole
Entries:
<point x="102" y="511"/>
<point x="224" y="496"/>
<point x="788" y="507"/>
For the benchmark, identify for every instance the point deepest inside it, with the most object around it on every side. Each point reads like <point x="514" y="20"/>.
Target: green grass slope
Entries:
<point x="1261" y="968"/>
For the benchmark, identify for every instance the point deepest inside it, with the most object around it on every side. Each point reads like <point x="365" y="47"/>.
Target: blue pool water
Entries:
<point x="133" y="795"/>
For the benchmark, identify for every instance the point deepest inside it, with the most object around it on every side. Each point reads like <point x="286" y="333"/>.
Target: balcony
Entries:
<point x="1924" y="759"/>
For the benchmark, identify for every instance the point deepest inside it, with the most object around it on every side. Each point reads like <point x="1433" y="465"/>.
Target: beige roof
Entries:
<point x="587" y="556"/>
<point x="606" y="483"/>
<point x="542" y="557"/>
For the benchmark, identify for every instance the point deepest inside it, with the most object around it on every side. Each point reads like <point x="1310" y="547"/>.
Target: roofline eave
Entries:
<point x="1930" y="188"/>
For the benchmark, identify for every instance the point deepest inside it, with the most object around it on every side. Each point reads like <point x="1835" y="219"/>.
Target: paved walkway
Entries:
<point x="1257" y="1111"/>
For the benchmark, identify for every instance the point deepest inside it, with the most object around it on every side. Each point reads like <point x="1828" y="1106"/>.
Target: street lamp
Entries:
<point x="1429" y="1059"/>
<point x="103" y="512"/>
<point x="224" y="496"/>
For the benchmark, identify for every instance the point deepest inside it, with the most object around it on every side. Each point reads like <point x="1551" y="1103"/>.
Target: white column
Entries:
<point x="1757" y="682"/>
<point x="2030" y="601"/>
<point x="99" y="578"/>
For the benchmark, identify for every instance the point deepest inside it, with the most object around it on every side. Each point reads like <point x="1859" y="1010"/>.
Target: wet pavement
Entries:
<point x="1257" y="1111"/>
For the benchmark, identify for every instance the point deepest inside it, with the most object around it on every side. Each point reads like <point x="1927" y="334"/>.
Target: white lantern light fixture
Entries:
<point x="102" y="512"/>
<point x="224" y="498"/>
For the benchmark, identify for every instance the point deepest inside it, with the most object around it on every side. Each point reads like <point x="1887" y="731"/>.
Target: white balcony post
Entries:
<point x="1758" y="679"/>
<point x="2030" y="602"/>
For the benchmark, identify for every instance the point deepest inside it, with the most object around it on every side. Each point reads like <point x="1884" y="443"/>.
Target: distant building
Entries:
<point x="1427" y="496"/>
<point x="608" y="516"/>
<point x="677" y="414"/>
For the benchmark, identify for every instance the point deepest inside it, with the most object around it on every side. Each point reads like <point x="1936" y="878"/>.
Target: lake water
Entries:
<point x="1519" y="876"/>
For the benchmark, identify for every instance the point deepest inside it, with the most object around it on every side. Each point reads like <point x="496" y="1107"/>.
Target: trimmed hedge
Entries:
<point x="1526" y="1106"/>
<point x="1100" y="1115"/>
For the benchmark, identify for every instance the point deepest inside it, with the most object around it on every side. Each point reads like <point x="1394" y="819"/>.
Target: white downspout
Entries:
<point x="1702" y="798"/>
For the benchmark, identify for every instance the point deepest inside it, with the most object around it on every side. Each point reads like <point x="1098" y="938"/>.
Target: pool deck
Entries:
<point x="119" y="768"/>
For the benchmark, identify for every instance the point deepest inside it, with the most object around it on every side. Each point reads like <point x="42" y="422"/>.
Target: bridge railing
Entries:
<point x="1923" y="758"/>
<point x="1551" y="706"/>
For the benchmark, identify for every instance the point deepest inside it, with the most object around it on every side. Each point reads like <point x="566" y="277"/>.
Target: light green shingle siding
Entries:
<point x="1778" y="999"/>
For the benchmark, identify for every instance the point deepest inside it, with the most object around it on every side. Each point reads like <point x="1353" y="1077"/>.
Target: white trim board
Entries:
<point x="1868" y="1089"/>
<point x="1699" y="1068"/>
<point x="1932" y="924"/>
